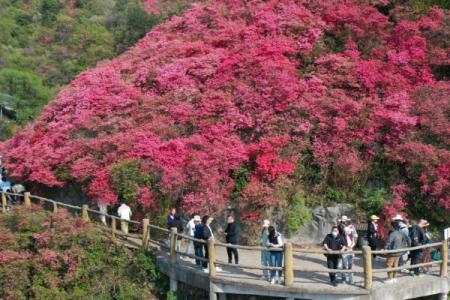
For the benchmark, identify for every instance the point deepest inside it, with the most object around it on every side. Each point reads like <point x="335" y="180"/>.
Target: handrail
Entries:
<point x="112" y="216"/>
<point x="437" y="262"/>
<point x="187" y="237"/>
<point x="158" y="227"/>
<point x="259" y="248"/>
<point x="408" y="249"/>
<point x="288" y="269"/>
<point x="322" y="251"/>
<point x="250" y="267"/>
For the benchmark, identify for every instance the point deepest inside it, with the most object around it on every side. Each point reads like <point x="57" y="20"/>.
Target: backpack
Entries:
<point x="414" y="236"/>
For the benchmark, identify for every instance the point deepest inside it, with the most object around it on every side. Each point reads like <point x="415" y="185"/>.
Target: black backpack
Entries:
<point x="414" y="235"/>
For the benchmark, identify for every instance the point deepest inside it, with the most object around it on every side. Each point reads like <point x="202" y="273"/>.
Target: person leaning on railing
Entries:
<point x="265" y="254"/>
<point x="275" y="241"/>
<point x="198" y="247"/>
<point x="333" y="242"/>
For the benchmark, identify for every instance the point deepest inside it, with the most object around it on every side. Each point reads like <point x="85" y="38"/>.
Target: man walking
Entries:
<point x="417" y="236"/>
<point x="232" y="237"/>
<point x="124" y="212"/>
<point x="178" y="224"/>
<point x="333" y="242"/>
<point x="396" y="240"/>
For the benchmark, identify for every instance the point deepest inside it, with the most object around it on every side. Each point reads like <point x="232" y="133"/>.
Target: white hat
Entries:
<point x="266" y="223"/>
<point x="197" y="218"/>
<point x="344" y="219"/>
<point x="397" y="217"/>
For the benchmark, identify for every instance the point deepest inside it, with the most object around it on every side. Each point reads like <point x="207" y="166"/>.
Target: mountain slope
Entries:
<point x="248" y="103"/>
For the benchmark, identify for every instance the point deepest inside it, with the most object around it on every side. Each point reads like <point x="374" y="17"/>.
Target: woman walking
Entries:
<point x="276" y="257"/>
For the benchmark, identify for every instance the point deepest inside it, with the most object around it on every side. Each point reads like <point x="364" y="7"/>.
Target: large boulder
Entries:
<point x="323" y="218"/>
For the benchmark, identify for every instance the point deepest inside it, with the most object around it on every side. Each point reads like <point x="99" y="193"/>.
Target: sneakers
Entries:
<point x="219" y="269"/>
<point x="273" y="281"/>
<point x="281" y="281"/>
<point x="334" y="283"/>
<point x="389" y="281"/>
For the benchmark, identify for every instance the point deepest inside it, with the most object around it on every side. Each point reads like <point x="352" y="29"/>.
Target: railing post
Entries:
<point x="3" y="202"/>
<point x="444" y="257"/>
<point x="288" y="265"/>
<point x="173" y="245"/>
<point x="367" y="258"/>
<point x="27" y="199"/>
<point x="145" y="230"/>
<point x="84" y="213"/>
<point x="212" y="258"/>
<point x="55" y="207"/>
<point x="113" y="228"/>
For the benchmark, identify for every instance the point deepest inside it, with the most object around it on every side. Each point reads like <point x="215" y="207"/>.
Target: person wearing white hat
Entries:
<point x="191" y="232"/>
<point x="265" y="254"/>
<point x="403" y="228"/>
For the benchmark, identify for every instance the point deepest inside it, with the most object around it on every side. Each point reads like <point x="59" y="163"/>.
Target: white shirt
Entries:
<point x="124" y="212"/>
<point x="191" y="227"/>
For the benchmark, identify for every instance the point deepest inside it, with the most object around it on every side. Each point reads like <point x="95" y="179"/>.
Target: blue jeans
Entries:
<point x="276" y="260"/>
<point x="266" y="262"/>
<point x="347" y="264"/>
<point x="198" y="250"/>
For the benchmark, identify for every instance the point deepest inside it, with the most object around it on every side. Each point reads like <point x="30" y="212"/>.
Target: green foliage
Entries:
<point x="297" y="213"/>
<point x="336" y="43"/>
<point x="424" y="5"/>
<point x="333" y="196"/>
<point x="308" y="169"/>
<point x="126" y="178"/>
<point x="27" y="91"/>
<point x="373" y="201"/>
<point x="241" y="178"/>
<point x="44" y="44"/>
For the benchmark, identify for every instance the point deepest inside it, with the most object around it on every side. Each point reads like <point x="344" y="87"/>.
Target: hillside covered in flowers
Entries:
<point x="255" y="105"/>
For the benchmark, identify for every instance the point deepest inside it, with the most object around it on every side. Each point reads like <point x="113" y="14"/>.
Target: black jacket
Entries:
<point x="178" y="224"/>
<point x="207" y="233"/>
<point x="333" y="243"/>
<point x="232" y="231"/>
<point x="371" y="232"/>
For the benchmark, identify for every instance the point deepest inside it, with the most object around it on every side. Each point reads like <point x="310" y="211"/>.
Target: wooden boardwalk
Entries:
<point x="304" y="270"/>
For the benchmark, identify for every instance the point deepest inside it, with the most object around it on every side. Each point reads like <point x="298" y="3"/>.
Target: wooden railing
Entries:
<point x="167" y="240"/>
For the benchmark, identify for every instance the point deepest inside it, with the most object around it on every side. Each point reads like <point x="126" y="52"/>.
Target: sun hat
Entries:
<point x="266" y="223"/>
<point x="424" y="223"/>
<point x="397" y="217"/>
<point x="197" y="218"/>
<point x="344" y="219"/>
<point x="374" y="217"/>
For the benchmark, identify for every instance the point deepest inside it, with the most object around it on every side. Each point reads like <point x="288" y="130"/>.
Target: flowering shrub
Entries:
<point x="249" y="83"/>
<point x="66" y="258"/>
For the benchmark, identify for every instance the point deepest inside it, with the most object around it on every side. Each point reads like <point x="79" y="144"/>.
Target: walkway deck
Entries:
<point x="235" y="280"/>
<point x="245" y="277"/>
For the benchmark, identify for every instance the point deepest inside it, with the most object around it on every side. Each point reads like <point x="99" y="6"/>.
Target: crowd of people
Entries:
<point x="338" y="244"/>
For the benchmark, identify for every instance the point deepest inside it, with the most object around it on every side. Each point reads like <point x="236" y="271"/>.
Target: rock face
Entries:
<point x="323" y="218"/>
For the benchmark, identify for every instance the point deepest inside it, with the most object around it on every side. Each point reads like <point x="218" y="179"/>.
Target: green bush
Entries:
<point x="297" y="214"/>
<point x="373" y="201"/>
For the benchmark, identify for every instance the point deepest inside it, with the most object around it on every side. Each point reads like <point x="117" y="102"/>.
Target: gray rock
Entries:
<point x="323" y="218"/>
